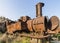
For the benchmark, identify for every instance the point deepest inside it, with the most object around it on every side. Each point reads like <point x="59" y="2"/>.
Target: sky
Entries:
<point x="14" y="9"/>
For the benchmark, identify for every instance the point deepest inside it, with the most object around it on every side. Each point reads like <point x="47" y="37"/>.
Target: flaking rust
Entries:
<point x="40" y="25"/>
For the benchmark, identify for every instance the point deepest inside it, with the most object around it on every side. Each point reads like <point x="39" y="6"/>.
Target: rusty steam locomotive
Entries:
<point x="40" y="24"/>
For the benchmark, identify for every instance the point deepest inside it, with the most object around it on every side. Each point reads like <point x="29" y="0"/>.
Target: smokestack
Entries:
<point x="39" y="9"/>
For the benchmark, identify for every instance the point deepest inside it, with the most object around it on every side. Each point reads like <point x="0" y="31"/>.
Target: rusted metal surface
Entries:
<point x="39" y="9"/>
<point x="30" y="25"/>
<point x="35" y="37"/>
<point x="54" y="22"/>
<point x="14" y="27"/>
<point x="38" y="24"/>
<point x="25" y="18"/>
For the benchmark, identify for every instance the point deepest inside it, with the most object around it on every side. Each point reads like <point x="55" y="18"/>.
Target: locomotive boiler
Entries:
<point x="40" y="24"/>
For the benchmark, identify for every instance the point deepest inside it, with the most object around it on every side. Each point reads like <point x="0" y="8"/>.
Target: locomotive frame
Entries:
<point x="40" y="25"/>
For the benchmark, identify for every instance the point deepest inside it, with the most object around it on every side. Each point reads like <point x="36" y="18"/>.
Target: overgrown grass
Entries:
<point x="23" y="40"/>
<point x="19" y="39"/>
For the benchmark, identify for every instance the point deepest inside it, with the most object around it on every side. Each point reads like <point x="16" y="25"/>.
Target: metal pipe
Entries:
<point x="39" y="9"/>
